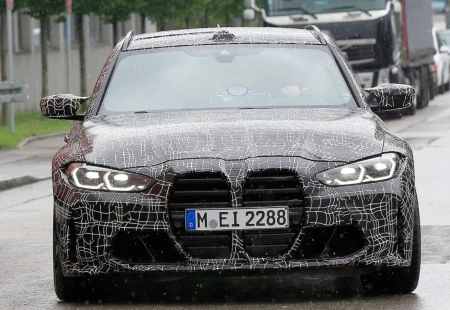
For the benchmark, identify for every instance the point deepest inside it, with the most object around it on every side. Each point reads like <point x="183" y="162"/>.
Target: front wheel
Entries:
<point x="398" y="280"/>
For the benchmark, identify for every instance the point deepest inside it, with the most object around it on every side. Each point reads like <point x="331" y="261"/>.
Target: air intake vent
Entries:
<point x="200" y="190"/>
<point x="273" y="188"/>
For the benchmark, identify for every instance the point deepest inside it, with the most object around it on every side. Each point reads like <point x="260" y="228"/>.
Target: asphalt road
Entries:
<point x="26" y="280"/>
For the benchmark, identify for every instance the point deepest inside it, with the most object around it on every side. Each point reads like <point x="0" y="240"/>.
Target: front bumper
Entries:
<point x="88" y="221"/>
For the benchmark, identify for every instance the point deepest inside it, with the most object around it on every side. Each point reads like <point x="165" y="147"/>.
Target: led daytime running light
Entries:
<point x="98" y="178"/>
<point x="371" y="170"/>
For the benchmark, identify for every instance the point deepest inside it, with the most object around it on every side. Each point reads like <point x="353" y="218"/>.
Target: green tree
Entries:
<point x="227" y="10"/>
<point x="160" y="11"/>
<point x="4" y="74"/>
<point x="4" y="71"/>
<point x="42" y="10"/>
<point x="81" y="8"/>
<point x="193" y="9"/>
<point x="115" y="11"/>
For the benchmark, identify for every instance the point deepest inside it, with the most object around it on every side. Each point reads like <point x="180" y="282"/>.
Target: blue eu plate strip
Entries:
<point x="190" y="220"/>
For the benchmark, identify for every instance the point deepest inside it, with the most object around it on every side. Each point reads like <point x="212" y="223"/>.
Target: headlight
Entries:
<point x="91" y="177"/>
<point x="371" y="170"/>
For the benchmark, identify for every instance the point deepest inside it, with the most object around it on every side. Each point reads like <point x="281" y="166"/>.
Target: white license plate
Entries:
<point x="237" y="219"/>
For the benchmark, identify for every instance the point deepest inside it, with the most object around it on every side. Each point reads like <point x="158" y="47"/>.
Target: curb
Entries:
<point x="25" y="141"/>
<point x="20" y="181"/>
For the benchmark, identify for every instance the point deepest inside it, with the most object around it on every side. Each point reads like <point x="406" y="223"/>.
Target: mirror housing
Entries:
<point x="62" y="106"/>
<point x="249" y="14"/>
<point x="389" y="97"/>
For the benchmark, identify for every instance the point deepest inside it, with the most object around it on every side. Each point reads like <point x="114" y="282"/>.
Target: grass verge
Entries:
<point x="29" y="125"/>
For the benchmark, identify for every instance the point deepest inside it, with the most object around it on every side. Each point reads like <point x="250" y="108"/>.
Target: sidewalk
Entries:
<point x="30" y="164"/>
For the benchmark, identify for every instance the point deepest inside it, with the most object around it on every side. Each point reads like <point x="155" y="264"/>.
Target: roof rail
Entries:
<point x="317" y="33"/>
<point x="127" y="40"/>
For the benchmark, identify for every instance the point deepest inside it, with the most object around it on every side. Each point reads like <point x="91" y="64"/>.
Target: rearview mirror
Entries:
<point x="249" y="14"/>
<point x="62" y="107"/>
<point x="390" y="97"/>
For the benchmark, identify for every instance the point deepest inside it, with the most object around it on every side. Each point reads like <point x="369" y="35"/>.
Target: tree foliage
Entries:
<point x="177" y="14"/>
<point x="114" y="11"/>
<point x="85" y="7"/>
<point x="42" y="8"/>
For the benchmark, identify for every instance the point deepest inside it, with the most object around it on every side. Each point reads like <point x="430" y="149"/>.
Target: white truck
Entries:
<point x="386" y="41"/>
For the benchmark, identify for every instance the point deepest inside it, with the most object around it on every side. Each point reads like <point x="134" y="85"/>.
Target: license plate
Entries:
<point x="237" y="219"/>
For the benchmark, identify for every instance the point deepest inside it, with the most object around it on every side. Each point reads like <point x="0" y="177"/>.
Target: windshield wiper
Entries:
<point x="347" y="7"/>
<point x="304" y="11"/>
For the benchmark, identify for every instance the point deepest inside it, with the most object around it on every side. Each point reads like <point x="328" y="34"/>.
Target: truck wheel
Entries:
<point x="411" y="79"/>
<point x="66" y="288"/>
<point x="398" y="280"/>
<point x="432" y="86"/>
<point x="423" y="97"/>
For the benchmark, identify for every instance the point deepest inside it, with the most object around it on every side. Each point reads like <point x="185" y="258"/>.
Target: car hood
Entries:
<point x="320" y="134"/>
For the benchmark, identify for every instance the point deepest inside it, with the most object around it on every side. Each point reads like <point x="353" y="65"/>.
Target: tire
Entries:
<point x="423" y="99"/>
<point x="411" y="79"/>
<point x="66" y="288"/>
<point x="432" y="86"/>
<point x="398" y="280"/>
<point x="447" y="86"/>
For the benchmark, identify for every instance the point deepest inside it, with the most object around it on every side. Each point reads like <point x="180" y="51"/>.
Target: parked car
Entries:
<point x="235" y="151"/>
<point x="442" y="61"/>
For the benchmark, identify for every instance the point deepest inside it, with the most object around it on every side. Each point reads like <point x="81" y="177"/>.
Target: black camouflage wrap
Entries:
<point x="234" y="143"/>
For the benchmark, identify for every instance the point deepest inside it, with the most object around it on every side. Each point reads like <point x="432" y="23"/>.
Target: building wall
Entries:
<point x="27" y="55"/>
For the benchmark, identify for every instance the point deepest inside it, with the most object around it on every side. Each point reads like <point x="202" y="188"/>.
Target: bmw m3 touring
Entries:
<point x="233" y="151"/>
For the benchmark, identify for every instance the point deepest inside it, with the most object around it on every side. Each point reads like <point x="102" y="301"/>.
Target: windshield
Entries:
<point x="290" y="7"/>
<point x="439" y="5"/>
<point x="225" y="77"/>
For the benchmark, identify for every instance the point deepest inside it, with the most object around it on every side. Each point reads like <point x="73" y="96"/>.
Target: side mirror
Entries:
<point x="249" y="14"/>
<point x="444" y="49"/>
<point x="62" y="107"/>
<point x="249" y="4"/>
<point x="387" y="97"/>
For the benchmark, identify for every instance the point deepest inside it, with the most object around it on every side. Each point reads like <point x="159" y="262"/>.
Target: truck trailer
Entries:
<point x="386" y="41"/>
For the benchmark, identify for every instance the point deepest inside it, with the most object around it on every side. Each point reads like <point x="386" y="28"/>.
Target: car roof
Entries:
<point x="220" y="36"/>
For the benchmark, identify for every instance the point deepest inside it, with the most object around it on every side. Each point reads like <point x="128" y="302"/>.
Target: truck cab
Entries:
<point x="386" y="41"/>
